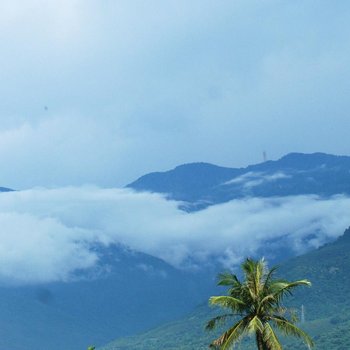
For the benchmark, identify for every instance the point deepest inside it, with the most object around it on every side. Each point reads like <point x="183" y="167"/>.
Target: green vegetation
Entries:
<point x="326" y="305"/>
<point x="258" y="303"/>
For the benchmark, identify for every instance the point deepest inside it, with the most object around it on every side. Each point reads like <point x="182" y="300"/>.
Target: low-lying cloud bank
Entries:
<point x="47" y="234"/>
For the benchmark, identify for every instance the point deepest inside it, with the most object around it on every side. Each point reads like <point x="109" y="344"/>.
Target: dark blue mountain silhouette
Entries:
<point x="203" y="184"/>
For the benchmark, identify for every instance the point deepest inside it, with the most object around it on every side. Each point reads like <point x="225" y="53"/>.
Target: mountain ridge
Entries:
<point x="111" y="304"/>
<point x="203" y="184"/>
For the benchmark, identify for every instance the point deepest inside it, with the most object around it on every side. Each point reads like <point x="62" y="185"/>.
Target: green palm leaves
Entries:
<point x="257" y="301"/>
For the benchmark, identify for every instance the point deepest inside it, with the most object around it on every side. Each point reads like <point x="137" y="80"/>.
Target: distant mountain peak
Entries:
<point x="305" y="155"/>
<point x="198" y="166"/>
<point x="202" y="184"/>
<point x="5" y="189"/>
<point x="316" y="157"/>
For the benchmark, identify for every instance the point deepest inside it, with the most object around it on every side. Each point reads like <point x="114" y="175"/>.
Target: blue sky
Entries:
<point x="135" y="86"/>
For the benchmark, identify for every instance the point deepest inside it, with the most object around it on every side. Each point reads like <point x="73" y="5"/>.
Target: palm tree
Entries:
<point x="258" y="302"/>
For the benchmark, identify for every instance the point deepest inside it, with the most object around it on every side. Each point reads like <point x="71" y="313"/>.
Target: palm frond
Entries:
<point x="255" y="276"/>
<point x="216" y="321"/>
<point x="227" y="279"/>
<point x="231" y="336"/>
<point x="270" y="338"/>
<point x="260" y="274"/>
<point x="227" y="302"/>
<point x="280" y="288"/>
<point x="250" y="270"/>
<point x="255" y="325"/>
<point x="268" y="278"/>
<point x="268" y="298"/>
<point x="288" y="328"/>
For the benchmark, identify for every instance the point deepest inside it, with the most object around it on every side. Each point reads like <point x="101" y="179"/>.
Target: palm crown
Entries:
<point x="257" y="300"/>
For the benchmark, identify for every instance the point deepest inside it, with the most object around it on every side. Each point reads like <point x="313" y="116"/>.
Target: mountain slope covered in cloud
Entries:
<point x="48" y="234"/>
<point x="114" y="298"/>
<point x="91" y="261"/>
<point x="203" y="184"/>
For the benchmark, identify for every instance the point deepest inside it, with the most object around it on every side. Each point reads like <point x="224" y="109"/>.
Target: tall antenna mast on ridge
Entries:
<point x="302" y="318"/>
<point x="264" y="156"/>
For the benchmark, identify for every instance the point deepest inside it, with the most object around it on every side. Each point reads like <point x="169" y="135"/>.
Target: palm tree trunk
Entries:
<point x="259" y="341"/>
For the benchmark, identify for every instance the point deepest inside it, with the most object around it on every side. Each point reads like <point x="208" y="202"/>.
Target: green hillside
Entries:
<point x="326" y="304"/>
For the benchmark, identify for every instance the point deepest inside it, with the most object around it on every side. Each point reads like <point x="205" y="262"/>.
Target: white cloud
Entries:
<point x="46" y="234"/>
<point x="253" y="179"/>
<point x="37" y="249"/>
<point x="242" y="178"/>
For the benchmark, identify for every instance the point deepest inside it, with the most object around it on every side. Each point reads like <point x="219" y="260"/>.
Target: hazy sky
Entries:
<point x="134" y="86"/>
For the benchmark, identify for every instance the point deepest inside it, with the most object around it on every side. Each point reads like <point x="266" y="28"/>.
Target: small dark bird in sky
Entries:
<point x="46" y="108"/>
